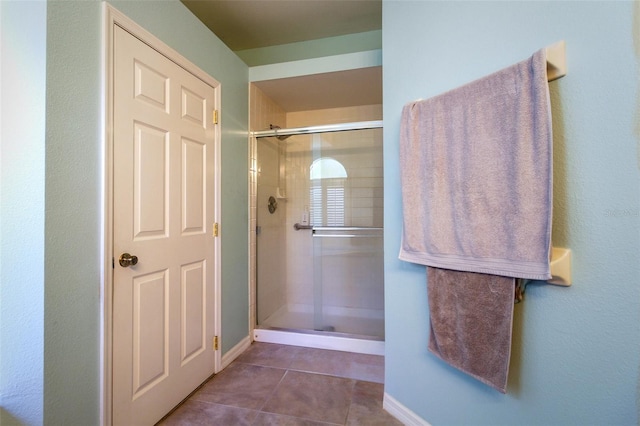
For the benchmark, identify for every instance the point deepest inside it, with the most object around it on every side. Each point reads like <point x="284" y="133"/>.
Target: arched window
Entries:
<point x="326" y="192"/>
<point x="327" y="168"/>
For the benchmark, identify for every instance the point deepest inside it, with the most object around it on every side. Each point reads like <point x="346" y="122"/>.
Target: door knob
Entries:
<point x="127" y="259"/>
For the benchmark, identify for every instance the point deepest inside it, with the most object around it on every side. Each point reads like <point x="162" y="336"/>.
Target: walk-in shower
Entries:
<point x="319" y="239"/>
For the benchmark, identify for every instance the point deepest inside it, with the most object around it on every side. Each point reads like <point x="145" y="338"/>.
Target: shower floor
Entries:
<point x="368" y="326"/>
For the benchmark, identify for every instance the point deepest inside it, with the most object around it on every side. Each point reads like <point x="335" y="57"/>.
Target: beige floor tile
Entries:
<point x="241" y="385"/>
<point x="366" y="406"/>
<point x="342" y="364"/>
<point x="269" y="355"/>
<point x="269" y="419"/>
<point x="196" y="413"/>
<point x="312" y="396"/>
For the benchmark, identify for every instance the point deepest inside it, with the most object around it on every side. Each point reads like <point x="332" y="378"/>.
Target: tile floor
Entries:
<point x="271" y="384"/>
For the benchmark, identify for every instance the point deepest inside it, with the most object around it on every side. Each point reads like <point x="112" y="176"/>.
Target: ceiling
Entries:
<point x="251" y="24"/>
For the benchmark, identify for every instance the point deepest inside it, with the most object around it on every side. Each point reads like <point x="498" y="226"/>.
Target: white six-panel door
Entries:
<point x="163" y="213"/>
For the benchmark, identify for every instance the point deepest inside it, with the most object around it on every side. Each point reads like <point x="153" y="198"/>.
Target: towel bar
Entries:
<point x="556" y="61"/>
<point x="339" y="232"/>
<point x="347" y="228"/>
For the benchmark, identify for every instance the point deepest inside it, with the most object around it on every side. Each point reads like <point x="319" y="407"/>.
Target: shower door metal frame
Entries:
<point x="326" y="128"/>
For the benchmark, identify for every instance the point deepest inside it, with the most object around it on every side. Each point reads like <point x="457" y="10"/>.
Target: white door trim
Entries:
<point x="112" y="17"/>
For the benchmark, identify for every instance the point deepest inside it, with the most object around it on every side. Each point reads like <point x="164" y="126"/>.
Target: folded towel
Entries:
<point x="471" y="318"/>
<point x="476" y="175"/>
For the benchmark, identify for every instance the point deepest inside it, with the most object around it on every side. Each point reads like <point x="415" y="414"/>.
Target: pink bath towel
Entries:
<point x="476" y="175"/>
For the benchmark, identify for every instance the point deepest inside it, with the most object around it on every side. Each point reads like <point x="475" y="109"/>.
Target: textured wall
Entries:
<point x="22" y="140"/>
<point x="575" y="353"/>
<point x="72" y="216"/>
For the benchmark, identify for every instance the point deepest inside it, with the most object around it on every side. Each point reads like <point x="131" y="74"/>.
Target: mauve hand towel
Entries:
<point x="476" y="175"/>
<point x="471" y="318"/>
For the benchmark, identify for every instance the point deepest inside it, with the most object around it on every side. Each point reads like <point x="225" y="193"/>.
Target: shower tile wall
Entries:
<point x="334" y="115"/>
<point x="263" y="112"/>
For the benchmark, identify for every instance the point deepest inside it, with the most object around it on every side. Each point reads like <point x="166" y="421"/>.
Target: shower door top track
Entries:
<point x="326" y="128"/>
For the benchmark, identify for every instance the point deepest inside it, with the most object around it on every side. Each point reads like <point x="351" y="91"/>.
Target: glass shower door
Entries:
<point x="349" y="281"/>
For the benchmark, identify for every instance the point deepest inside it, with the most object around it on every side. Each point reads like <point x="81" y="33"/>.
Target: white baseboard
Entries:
<point x="235" y="352"/>
<point x="402" y="413"/>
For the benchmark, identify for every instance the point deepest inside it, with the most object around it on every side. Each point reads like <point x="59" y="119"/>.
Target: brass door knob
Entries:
<point x="127" y="260"/>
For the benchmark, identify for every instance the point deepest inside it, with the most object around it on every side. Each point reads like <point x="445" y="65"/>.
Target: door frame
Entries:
<point x="111" y="18"/>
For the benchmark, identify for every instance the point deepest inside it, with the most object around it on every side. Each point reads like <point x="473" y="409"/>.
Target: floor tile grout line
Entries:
<point x="273" y="392"/>
<point x="353" y="389"/>
<point x="320" y="373"/>
<point x="307" y="371"/>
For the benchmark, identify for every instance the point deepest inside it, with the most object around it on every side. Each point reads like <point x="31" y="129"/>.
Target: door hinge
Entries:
<point x="215" y="116"/>
<point x="215" y="343"/>
<point x="215" y="229"/>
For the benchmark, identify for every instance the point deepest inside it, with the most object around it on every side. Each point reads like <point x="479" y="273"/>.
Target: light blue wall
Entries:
<point x="73" y="190"/>
<point x="72" y="215"/>
<point x="576" y="350"/>
<point x="22" y="147"/>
